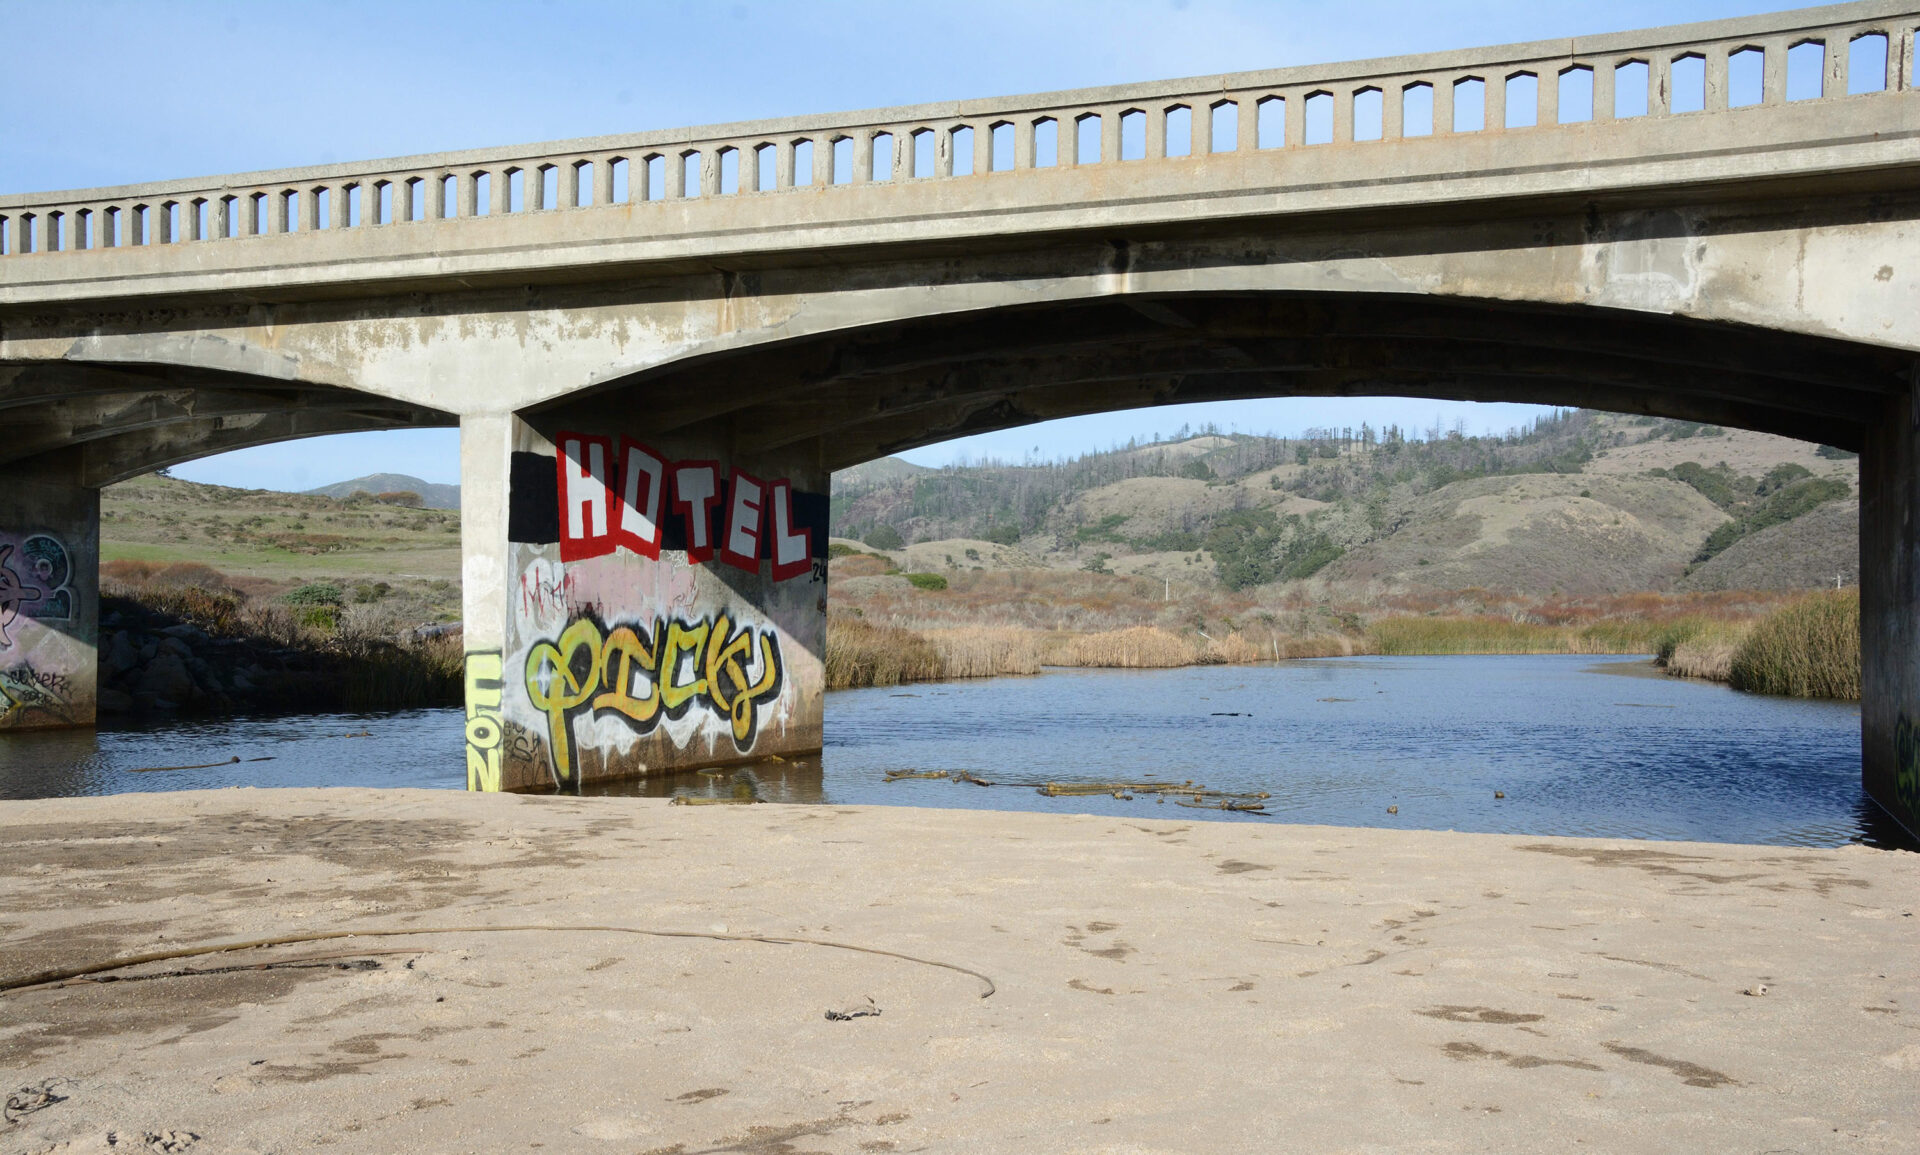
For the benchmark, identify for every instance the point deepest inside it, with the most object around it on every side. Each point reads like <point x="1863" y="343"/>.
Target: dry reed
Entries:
<point x="1810" y="649"/>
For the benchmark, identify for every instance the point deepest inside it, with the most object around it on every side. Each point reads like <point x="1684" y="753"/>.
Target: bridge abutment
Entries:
<point x="1889" y="604"/>
<point x="636" y="606"/>
<point x="49" y="595"/>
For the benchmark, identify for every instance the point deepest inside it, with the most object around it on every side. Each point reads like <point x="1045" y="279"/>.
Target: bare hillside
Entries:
<point x="1577" y="535"/>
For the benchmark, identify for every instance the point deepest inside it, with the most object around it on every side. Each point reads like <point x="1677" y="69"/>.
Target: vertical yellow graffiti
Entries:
<point x="483" y="721"/>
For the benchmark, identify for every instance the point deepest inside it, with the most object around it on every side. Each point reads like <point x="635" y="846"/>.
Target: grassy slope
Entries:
<point x="272" y="541"/>
<point x="1606" y="526"/>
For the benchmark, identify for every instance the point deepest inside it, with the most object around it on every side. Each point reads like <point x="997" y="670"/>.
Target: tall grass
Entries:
<point x="1701" y="647"/>
<point x="862" y="654"/>
<point x="982" y="652"/>
<point x="1482" y="634"/>
<point x="1809" y="649"/>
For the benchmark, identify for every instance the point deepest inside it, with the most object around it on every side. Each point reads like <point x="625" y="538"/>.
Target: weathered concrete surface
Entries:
<point x="49" y="596"/>
<point x="1162" y="985"/>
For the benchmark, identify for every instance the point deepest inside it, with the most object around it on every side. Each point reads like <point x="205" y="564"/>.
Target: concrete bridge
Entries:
<point x="658" y="346"/>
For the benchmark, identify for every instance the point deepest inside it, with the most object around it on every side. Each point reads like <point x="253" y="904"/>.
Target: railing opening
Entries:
<point x="1746" y="77"/>
<point x="322" y="211"/>
<point x="1469" y="104"/>
<point x="1133" y="135"/>
<point x="619" y="180"/>
<point x="482" y="194"/>
<point x="1086" y="138"/>
<point x="924" y="148"/>
<point x="549" y="187"/>
<point x="802" y="163"/>
<point x="1178" y="140"/>
<point x="729" y="161"/>
<point x="1575" y="102"/>
<point x="882" y="162"/>
<point x="1223" y="127"/>
<point x="1806" y="70"/>
<point x="1270" y="122"/>
<point x="6" y="236"/>
<point x="843" y="160"/>
<point x="1867" y="63"/>
<point x="1369" y="115"/>
<point x="689" y="180"/>
<point x="583" y="191"/>
<point x="1630" y="90"/>
<point x="960" y="140"/>
<point x="1046" y="142"/>
<point x="654" y="177"/>
<point x="1416" y="109"/>
<point x="1319" y="122"/>
<point x="1521" y="100"/>
<point x="1687" y="83"/>
<point x="1000" y="147"/>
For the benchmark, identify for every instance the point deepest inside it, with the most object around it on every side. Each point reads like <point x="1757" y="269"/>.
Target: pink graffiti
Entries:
<point x="12" y="594"/>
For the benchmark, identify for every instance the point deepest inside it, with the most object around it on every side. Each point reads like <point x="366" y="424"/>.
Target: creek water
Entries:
<point x="1577" y="746"/>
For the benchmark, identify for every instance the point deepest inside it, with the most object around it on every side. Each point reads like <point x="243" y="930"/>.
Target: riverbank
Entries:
<point x="892" y="643"/>
<point x="1156" y="985"/>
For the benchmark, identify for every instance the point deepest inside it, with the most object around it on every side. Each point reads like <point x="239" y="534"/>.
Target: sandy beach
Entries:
<point x="1002" y="981"/>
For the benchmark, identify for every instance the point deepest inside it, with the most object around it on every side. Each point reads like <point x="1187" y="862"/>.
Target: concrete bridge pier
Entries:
<point x="1889" y="603"/>
<point x="636" y="604"/>
<point x="49" y="594"/>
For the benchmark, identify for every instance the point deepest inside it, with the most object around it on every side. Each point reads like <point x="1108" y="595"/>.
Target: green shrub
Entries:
<point x="1809" y="649"/>
<point x="927" y="581"/>
<point x="1783" y="506"/>
<point x="885" y="537"/>
<point x="1197" y="470"/>
<point x="316" y="594"/>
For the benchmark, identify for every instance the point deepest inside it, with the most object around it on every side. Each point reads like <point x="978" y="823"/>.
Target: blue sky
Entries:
<point x="96" y="92"/>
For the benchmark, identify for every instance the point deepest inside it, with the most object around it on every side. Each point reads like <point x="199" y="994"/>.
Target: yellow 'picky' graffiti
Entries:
<point x="648" y="677"/>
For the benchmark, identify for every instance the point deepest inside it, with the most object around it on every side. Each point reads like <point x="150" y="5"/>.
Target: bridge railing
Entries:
<point x="1726" y="68"/>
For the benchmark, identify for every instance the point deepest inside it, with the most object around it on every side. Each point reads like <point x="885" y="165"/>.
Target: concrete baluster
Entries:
<point x="1342" y="114"/>
<point x="1773" y="76"/>
<point x="1156" y="134"/>
<point x="306" y="205"/>
<point x="1496" y="100"/>
<point x="1546" y="85"/>
<point x="1660" y="83"/>
<point x="943" y="151"/>
<point x="1602" y="90"/>
<point x="1393" y="108"/>
<point x="783" y="165"/>
<point x="862" y="158"/>
<point x="1249" y="127"/>
<point x="1296" y="127"/>
<point x="1067" y="140"/>
<point x="1443" y="105"/>
<point x="1716" y="94"/>
<point x="1110" y="135"/>
<point x="823" y="160"/>
<point x="603" y="179"/>
<point x="1834" y="84"/>
<point x="1026" y="150"/>
<point x="499" y="192"/>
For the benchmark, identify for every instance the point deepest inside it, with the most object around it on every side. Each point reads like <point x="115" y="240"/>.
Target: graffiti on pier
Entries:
<point x="652" y="673"/>
<point x="484" y="683"/>
<point x="1906" y="770"/>
<point x="33" y="583"/>
<point x="26" y="691"/>
<point x="629" y="497"/>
